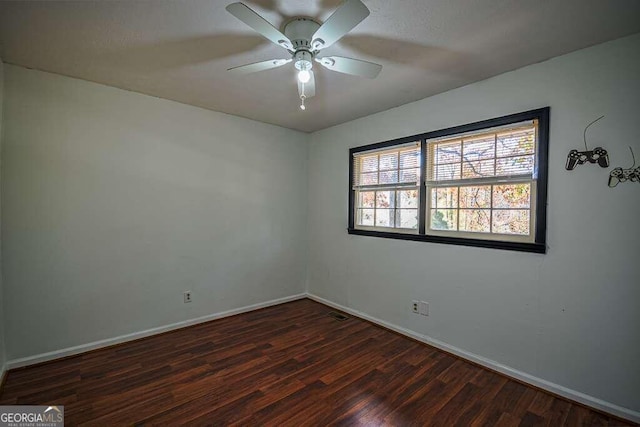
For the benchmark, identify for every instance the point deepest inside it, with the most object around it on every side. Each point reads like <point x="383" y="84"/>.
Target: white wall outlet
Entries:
<point x="415" y="306"/>
<point x="424" y="308"/>
<point x="187" y="296"/>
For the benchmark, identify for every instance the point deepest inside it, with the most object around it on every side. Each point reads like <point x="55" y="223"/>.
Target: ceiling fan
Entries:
<point x="304" y="38"/>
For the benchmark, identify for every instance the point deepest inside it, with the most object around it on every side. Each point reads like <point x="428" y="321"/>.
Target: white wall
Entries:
<point x="114" y="203"/>
<point x="571" y="316"/>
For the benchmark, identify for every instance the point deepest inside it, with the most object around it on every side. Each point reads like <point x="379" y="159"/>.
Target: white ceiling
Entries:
<point x="180" y="50"/>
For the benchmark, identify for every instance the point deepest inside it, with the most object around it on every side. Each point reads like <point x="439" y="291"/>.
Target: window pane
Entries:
<point x="369" y="164"/>
<point x="385" y="199"/>
<point x="368" y="178"/>
<point x="365" y="217"/>
<point x="407" y="218"/>
<point x="410" y="159"/>
<point x="389" y="177"/>
<point x="511" y="222"/>
<point x="447" y="172"/>
<point x="475" y="196"/>
<point x="512" y="196"/>
<point x="444" y="219"/>
<point x="448" y="152"/>
<point x="385" y="217"/>
<point x="477" y="169"/>
<point x="409" y="175"/>
<point x="388" y="161"/>
<point x="475" y="220"/>
<point x="446" y="197"/>
<point x="366" y="199"/>
<point x="515" y="143"/>
<point x="478" y="149"/>
<point x="514" y="166"/>
<point x="408" y="199"/>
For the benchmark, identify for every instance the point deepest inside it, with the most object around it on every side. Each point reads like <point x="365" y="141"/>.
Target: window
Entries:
<point x="387" y="185"/>
<point x="482" y="184"/>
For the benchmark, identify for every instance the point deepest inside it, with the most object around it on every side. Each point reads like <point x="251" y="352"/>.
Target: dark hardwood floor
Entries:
<point x="289" y="364"/>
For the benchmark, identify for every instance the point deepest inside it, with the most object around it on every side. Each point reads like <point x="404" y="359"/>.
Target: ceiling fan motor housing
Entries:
<point x="300" y="30"/>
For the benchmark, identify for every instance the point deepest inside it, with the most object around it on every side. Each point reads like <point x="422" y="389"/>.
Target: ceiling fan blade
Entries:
<point x="307" y="89"/>
<point x="351" y="66"/>
<point x="258" y="23"/>
<point x="259" y="66"/>
<point x="343" y="20"/>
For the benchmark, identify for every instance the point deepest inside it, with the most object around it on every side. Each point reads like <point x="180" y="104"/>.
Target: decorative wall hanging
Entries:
<point x="597" y="155"/>
<point x="623" y="175"/>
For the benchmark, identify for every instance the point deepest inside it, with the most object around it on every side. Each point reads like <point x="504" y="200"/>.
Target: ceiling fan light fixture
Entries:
<point x="303" y="64"/>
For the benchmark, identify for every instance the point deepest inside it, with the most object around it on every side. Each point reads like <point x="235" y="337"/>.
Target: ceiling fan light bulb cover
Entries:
<point x="304" y="76"/>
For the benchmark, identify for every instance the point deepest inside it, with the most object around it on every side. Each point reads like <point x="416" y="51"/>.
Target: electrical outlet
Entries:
<point x="415" y="306"/>
<point x="424" y="308"/>
<point x="187" y="296"/>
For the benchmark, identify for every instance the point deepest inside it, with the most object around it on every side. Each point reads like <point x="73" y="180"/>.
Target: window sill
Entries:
<point x="539" y="248"/>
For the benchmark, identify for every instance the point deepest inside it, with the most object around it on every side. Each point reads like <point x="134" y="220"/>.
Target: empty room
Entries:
<point x="320" y="212"/>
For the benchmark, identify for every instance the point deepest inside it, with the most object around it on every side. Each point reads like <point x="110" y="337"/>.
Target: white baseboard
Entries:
<point x="70" y="351"/>
<point x="491" y="364"/>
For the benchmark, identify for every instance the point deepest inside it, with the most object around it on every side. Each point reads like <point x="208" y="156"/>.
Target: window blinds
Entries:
<point x="395" y="167"/>
<point x="499" y="153"/>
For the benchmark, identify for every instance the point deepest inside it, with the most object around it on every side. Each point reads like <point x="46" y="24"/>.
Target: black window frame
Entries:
<point x="537" y="246"/>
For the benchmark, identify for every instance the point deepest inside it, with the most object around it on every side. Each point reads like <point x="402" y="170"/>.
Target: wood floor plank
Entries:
<point x="489" y="385"/>
<point x="287" y="365"/>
